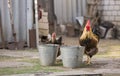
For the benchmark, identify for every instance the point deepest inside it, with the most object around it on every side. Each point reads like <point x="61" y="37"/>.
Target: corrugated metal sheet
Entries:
<point x="23" y="20"/>
<point x="67" y="10"/>
<point x="6" y="21"/>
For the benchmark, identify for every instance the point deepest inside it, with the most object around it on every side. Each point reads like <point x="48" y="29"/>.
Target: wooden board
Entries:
<point x="32" y="38"/>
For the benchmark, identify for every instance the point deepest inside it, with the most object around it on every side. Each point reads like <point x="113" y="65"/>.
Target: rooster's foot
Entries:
<point x="58" y="60"/>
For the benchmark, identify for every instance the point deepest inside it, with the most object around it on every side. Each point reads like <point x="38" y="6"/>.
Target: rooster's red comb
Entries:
<point x="88" y="25"/>
<point x="53" y="34"/>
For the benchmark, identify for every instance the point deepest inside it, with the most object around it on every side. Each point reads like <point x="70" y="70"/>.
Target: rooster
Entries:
<point x="89" y="39"/>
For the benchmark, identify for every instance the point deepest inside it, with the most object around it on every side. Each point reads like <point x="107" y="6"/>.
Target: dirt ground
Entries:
<point x="108" y="56"/>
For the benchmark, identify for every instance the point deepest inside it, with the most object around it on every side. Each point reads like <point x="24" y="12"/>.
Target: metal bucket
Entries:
<point x="72" y="56"/>
<point x="48" y="53"/>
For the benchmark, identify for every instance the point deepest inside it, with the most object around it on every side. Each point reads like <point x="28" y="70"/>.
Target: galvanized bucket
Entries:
<point x="72" y="56"/>
<point x="48" y="53"/>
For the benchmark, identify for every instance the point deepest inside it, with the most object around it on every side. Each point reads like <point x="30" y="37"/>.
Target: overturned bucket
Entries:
<point x="48" y="53"/>
<point x="72" y="56"/>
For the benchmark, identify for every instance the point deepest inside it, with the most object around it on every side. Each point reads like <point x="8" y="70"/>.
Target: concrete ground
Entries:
<point x="106" y="62"/>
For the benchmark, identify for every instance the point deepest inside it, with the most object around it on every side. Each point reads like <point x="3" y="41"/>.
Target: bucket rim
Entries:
<point x="71" y="46"/>
<point x="48" y="45"/>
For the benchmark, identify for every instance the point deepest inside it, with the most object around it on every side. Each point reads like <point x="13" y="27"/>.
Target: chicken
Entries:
<point x="39" y="12"/>
<point x="89" y="40"/>
<point x="52" y="40"/>
<point x="45" y="39"/>
<point x="55" y="40"/>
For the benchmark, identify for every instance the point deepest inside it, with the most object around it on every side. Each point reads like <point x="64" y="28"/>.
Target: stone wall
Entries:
<point x="110" y="10"/>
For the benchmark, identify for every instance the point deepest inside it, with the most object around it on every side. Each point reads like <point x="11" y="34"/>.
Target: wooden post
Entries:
<point x="51" y="16"/>
<point x="12" y="21"/>
<point x="1" y="31"/>
<point x="36" y="22"/>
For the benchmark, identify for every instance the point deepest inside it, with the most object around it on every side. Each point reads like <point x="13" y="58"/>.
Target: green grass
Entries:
<point x="4" y="58"/>
<point x="38" y="66"/>
<point x="29" y="50"/>
<point x="32" y="69"/>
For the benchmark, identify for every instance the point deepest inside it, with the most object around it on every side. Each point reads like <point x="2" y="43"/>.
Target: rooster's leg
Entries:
<point x="88" y="60"/>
